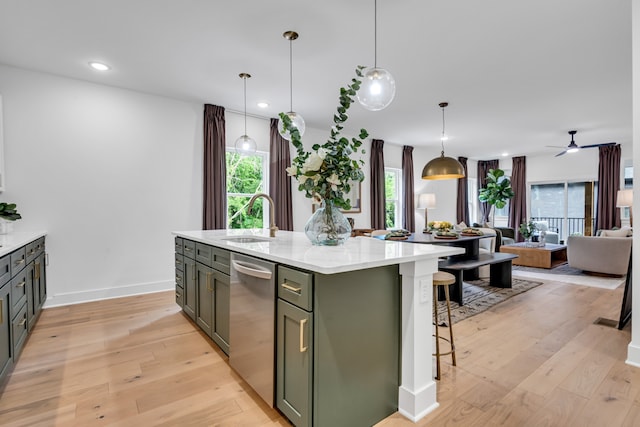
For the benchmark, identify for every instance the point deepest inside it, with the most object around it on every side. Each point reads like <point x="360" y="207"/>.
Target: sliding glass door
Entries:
<point x="568" y="207"/>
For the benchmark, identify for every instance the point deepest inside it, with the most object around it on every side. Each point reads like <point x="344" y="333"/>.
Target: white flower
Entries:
<point x="334" y="180"/>
<point x="302" y="179"/>
<point x="313" y="163"/>
<point x="322" y="153"/>
<point x="291" y="171"/>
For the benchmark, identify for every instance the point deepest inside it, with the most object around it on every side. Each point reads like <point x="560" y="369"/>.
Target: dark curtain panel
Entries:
<point x="408" y="213"/>
<point x="279" y="180"/>
<point x="377" y="185"/>
<point x="215" y="169"/>
<point x="607" y="215"/>
<point x="483" y="168"/>
<point x="462" y="205"/>
<point x="518" y="205"/>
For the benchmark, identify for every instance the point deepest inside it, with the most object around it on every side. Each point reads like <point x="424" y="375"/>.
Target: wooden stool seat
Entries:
<point x="442" y="278"/>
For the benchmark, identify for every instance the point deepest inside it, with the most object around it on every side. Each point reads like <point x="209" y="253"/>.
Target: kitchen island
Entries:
<point x="338" y="270"/>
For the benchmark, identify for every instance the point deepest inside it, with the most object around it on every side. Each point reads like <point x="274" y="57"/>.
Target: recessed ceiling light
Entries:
<point x="99" y="66"/>
<point x="505" y="154"/>
<point x="263" y="104"/>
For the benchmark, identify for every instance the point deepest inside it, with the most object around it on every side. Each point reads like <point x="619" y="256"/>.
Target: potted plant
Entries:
<point x="527" y="229"/>
<point x="498" y="190"/>
<point x="8" y="214"/>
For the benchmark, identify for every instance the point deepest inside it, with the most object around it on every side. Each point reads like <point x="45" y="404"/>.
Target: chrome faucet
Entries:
<point x="272" y="215"/>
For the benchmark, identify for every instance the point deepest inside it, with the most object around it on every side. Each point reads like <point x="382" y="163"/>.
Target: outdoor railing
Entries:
<point x="573" y="225"/>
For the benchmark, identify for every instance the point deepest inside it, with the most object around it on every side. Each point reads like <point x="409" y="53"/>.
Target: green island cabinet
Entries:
<point x="337" y="346"/>
<point x="23" y="291"/>
<point x="202" y="287"/>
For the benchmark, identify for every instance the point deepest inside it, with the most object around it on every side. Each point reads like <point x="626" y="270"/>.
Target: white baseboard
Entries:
<point x="107" y="293"/>
<point x="633" y="355"/>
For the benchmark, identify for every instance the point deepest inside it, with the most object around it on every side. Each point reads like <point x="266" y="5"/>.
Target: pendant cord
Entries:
<point x="290" y="75"/>
<point x="245" y="105"/>
<point x="375" y="34"/>
<point x="442" y="138"/>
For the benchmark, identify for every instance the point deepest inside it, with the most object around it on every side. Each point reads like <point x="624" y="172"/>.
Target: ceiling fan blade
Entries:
<point x="561" y="153"/>
<point x="604" y="144"/>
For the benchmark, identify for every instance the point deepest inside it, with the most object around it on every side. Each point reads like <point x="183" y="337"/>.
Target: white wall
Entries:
<point x="108" y="173"/>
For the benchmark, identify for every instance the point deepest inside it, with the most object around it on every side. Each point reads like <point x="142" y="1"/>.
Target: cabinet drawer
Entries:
<point x="204" y="254"/>
<point x="221" y="260"/>
<point x="18" y="260"/>
<point x="18" y="291"/>
<point x="296" y="287"/>
<point x="179" y="245"/>
<point x="5" y="269"/>
<point x="179" y="262"/>
<point x="180" y="296"/>
<point x="180" y="278"/>
<point x="31" y="251"/>
<point x="39" y="246"/>
<point x="189" y="248"/>
<point x="19" y="329"/>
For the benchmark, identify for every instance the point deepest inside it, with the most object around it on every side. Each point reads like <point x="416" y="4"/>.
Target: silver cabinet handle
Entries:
<point x="303" y="348"/>
<point x="21" y="284"/>
<point x="22" y="322"/>
<point x="20" y="261"/>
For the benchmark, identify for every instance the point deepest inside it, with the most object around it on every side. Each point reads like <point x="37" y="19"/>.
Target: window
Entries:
<point x="472" y="200"/>
<point x="246" y="175"/>
<point x="568" y="207"/>
<point x="392" y="197"/>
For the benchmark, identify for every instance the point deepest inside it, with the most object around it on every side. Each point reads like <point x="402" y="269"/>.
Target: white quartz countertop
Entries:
<point x="14" y="240"/>
<point x="295" y="249"/>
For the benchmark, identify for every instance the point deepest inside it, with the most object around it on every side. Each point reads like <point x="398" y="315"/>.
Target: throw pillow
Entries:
<point x="623" y="232"/>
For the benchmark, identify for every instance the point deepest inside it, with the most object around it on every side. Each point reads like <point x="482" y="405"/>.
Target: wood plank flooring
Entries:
<point x="535" y="360"/>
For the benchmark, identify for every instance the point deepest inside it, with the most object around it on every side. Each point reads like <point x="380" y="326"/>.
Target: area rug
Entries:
<point x="565" y="274"/>
<point x="479" y="296"/>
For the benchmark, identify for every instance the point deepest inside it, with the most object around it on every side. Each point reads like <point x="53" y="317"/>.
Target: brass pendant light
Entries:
<point x="443" y="167"/>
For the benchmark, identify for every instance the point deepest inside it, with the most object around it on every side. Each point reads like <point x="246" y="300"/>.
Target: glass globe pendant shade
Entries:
<point x="245" y="145"/>
<point x="296" y="121"/>
<point x="377" y="90"/>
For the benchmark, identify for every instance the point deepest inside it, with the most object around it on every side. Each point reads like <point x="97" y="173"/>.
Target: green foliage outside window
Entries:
<point x="390" y="190"/>
<point x="244" y="179"/>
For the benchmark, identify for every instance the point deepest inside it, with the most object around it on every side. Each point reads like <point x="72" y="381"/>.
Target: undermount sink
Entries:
<point x="246" y="239"/>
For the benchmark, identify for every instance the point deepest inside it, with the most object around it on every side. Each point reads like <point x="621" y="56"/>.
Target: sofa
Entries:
<point x="606" y="255"/>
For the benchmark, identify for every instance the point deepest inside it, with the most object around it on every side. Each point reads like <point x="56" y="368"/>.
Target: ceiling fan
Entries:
<point x="573" y="147"/>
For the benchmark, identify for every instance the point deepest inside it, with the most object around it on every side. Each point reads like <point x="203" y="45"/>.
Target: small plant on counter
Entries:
<point x="8" y="211"/>
<point x="527" y="229"/>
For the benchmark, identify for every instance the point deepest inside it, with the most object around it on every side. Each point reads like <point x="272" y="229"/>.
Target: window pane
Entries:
<point x="237" y="212"/>
<point x="390" y="216"/>
<point x="390" y="190"/>
<point x="244" y="174"/>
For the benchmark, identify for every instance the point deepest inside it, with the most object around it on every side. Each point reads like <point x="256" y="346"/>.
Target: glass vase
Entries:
<point x="327" y="226"/>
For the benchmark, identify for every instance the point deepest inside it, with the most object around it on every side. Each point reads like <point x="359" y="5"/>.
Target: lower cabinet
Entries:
<point x="23" y="292"/>
<point x="338" y="346"/>
<point x="202" y="280"/>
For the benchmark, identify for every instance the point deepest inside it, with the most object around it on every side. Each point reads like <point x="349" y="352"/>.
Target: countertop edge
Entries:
<point x="16" y="239"/>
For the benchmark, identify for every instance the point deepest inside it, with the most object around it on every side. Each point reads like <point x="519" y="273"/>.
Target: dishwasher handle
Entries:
<point x="251" y="269"/>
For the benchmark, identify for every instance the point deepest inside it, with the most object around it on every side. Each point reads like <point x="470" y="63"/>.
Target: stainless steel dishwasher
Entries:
<point x="252" y="322"/>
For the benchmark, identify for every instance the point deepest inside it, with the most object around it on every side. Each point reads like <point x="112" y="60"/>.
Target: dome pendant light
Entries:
<point x="443" y="167"/>
<point x="296" y="119"/>
<point x="378" y="85"/>
<point x="245" y="145"/>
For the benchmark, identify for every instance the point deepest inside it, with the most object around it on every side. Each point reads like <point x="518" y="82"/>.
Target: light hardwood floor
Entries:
<point x="535" y="360"/>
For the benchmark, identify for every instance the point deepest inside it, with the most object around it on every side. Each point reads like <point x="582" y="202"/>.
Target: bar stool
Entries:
<point x="442" y="278"/>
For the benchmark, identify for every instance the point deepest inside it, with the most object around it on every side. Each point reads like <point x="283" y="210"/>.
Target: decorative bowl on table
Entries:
<point x="397" y="235"/>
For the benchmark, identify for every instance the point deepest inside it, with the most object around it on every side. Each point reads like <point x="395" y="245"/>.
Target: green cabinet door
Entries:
<point x="221" y="300"/>
<point x="204" y="297"/>
<point x="6" y="346"/>
<point x="294" y="350"/>
<point x="190" y="297"/>
<point x="41" y="279"/>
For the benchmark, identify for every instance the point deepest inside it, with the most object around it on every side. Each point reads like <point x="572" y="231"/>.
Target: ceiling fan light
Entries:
<point x="573" y="150"/>
<point x="296" y="121"/>
<point x="377" y="90"/>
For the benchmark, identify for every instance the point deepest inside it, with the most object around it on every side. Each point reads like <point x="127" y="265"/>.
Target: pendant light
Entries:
<point x="296" y="119"/>
<point x="245" y="145"/>
<point x="443" y="167"/>
<point x="378" y="85"/>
